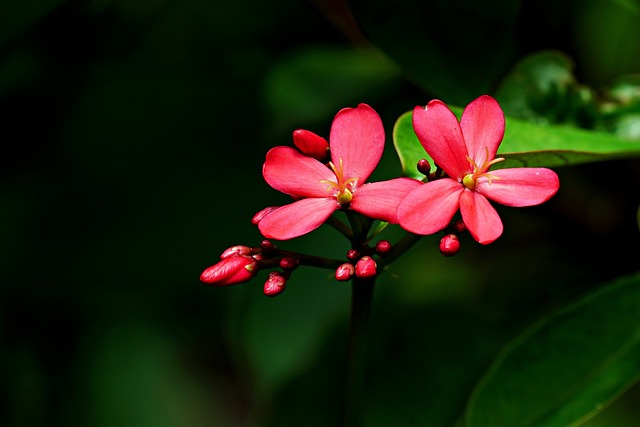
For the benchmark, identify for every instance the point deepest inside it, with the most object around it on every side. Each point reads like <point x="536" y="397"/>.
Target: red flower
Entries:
<point x="356" y="142"/>
<point x="466" y="151"/>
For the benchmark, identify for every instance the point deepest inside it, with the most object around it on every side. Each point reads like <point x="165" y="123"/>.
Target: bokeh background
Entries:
<point x="133" y="135"/>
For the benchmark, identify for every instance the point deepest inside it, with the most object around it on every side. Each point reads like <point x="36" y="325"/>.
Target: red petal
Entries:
<point x="482" y="125"/>
<point x="297" y="218"/>
<point x="357" y="137"/>
<point x="293" y="173"/>
<point x="519" y="186"/>
<point x="430" y="207"/>
<point x="310" y="144"/>
<point x="480" y="218"/>
<point x="439" y="132"/>
<point x="380" y="200"/>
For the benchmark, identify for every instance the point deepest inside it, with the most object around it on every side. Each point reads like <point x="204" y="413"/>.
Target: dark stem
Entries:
<point x="361" y="300"/>
<point x="399" y="248"/>
<point x="340" y="226"/>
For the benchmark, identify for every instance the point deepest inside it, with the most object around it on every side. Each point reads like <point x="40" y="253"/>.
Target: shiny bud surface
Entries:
<point x="449" y="245"/>
<point x="230" y="271"/>
<point x="345" y="272"/>
<point x="275" y="284"/>
<point x="366" y="268"/>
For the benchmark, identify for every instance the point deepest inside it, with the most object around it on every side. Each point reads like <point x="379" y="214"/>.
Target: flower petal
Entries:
<point x="482" y="125"/>
<point x="519" y="186"/>
<point x="293" y="173"/>
<point x="439" y="133"/>
<point x="297" y="218"/>
<point x="357" y="137"/>
<point x="430" y="207"/>
<point x="380" y="200"/>
<point x="480" y="218"/>
<point x="310" y="144"/>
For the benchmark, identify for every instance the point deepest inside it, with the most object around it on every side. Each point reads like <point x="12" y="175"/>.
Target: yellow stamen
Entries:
<point x="470" y="181"/>
<point x="343" y="188"/>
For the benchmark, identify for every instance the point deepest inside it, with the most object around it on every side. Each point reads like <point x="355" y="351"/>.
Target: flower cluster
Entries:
<point x="239" y="264"/>
<point x="323" y="177"/>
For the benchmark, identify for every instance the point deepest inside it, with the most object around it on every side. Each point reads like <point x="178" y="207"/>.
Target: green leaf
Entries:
<point x="567" y="367"/>
<point x="526" y="144"/>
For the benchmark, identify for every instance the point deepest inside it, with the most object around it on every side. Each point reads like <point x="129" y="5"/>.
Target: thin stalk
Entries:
<point x="399" y="248"/>
<point x="340" y="226"/>
<point x="361" y="300"/>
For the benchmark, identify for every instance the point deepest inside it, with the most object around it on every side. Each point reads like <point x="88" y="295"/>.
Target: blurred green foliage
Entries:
<point x="134" y="135"/>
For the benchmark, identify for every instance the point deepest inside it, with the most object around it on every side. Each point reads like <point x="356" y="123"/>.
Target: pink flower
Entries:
<point x="356" y="142"/>
<point x="466" y="151"/>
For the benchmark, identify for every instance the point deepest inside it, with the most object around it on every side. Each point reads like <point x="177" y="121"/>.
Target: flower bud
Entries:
<point x="383" y="247"/>
<point x="353" y="255"/>
<point x="264" y="212"/>
<point x="449" y="245"/>
<point x="230" y="271"/>
<point x="275" y="284"/>
<point x="424" y="167"/>
<point x="366" y="268"/>
<point x="459" y="226"/>
<point x="345" y="272"/>
<point x="236" y="250"/>
<point x="310" y="144"/>
<point x="289" y="263"/>
<point x="267" y="246"/>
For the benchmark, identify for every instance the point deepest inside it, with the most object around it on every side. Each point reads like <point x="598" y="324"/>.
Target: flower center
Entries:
<point x="343" y="188"/>
<point x="470" y="180"/>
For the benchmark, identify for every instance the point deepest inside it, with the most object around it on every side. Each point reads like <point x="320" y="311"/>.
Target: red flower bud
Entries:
<point x="353" y="255"/>
<point x="424" y="167"/>
<point x="289" y="263"/>
<point x="230" y="271"/>
<point x="459" y="226"/>
<point x="310" y="144"/>
<point x="345" y="272"/>
<point x="236" y="250"/>
<point x="275" y="284"/>
<point x="383" y="247"/>
<point x="366" y="268"/>
<point x="449" y="245"/>
<point x="264" y="212"/>
<point x="268" y="246"/>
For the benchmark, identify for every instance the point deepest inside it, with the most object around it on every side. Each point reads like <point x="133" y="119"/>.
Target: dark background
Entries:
<point x="133" y="134"/>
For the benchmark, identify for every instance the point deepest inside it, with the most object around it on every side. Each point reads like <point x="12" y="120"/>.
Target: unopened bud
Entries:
<point x="383" y="247"/>
<point x="449" y="245"/>
<point x="260" y="215"/>
<point x="275" y="284"/>
<point x="289" y="263"/>
<point x="310" y="144"/>
<point x="366" y="268"/>
<point x="345" y="272"/>
<point x="236" y="250"/>
<point x="268" y="246"/>
<point x="230" y="271"/>
<point x="353" y="255"/>
<point x="459" y="226"/>
<point x="424" y="167"/>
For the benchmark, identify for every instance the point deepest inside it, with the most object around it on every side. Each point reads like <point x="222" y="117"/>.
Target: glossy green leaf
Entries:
<point x="566" y="368"/>
<point x="526" y="144"/>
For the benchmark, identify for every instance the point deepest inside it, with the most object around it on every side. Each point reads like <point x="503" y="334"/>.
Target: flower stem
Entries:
<point x="361" y="300"/>
<point x="317" y="261"/>
<point x="340" y="226"/>
<point x="399" y="248"/>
